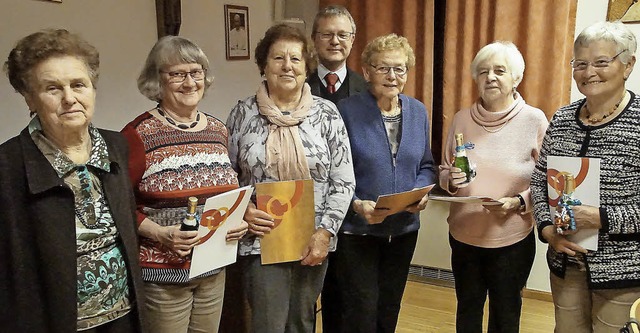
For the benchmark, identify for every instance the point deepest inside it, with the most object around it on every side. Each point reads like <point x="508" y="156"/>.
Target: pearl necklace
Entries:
<point x="170" y="120"/>
<point x="498" y="129"/>
<point x="594" y="120"/>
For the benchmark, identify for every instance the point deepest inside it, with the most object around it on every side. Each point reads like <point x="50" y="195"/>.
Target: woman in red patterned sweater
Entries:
<point x="177" y="152"/>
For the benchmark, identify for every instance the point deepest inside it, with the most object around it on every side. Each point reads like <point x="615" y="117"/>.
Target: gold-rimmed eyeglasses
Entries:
<point x="384" y="70"/>
<point x="342" y="35"/>
<point x="580" y="65"/>
<point x="179" y="77"/>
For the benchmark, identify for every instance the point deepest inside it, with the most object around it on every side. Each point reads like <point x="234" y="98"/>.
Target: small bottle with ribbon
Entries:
<point x="564" y="219"/>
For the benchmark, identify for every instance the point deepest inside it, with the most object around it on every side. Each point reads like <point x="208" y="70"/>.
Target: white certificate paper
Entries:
<point x="474" y="199"/>
<point x="222" y="213"/>
<point x="587" y="175"/>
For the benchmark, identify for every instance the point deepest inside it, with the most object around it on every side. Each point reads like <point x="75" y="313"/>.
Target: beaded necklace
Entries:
<point x="170" y="120"/>
<point x="594" y="120"/>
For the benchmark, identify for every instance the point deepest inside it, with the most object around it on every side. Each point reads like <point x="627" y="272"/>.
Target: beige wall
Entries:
<point x="124" y="31"/>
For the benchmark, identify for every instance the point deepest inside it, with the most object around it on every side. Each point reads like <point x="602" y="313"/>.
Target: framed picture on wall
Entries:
<point x="236" y="32"/>
<point x="627" y="11"/>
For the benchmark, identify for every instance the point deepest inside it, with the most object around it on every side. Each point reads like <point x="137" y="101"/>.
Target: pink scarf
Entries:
<point x="490" y="119"/>
<point x="285" y="158"/>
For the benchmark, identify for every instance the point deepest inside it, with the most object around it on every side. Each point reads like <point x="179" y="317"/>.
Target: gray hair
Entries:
<point x="168" y="51"/>
<point x="515" y="61"/>
<point x="332" y="11"/>
<point x="615" y="32"/>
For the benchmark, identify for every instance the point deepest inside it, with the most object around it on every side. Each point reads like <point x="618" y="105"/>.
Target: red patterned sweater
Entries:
<point x="167" y="165"/>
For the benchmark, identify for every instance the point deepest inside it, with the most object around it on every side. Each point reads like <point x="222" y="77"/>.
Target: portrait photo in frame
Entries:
<point x="627" y="11"/>
<point x="236" y="31"/>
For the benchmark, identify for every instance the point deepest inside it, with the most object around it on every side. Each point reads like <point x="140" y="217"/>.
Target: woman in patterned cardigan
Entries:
<point x="593" y="290"/>
<point x="176" y="152"/>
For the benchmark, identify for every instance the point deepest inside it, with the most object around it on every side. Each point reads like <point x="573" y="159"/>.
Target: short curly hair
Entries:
<point x="168" y="51"/>
<point x="390" y="42"/>
<point x="45" y="44"/>
<point x="280" y="32"/>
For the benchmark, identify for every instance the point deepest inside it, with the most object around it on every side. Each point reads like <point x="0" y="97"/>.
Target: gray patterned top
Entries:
<point x="616" y="263"/>
<point x="328" y="152"/>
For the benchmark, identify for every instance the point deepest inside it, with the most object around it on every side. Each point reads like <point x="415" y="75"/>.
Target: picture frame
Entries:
<point x="236" y="32"/>
<point x="627" y="11"/>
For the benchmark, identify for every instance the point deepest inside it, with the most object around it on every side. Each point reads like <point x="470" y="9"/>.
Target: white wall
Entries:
<point x="124" y="31"/>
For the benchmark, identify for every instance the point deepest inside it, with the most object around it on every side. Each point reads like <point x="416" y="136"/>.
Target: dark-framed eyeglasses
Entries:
<point x="384" y="70"/>
<point x="631" y="326"/>
<point x="580" y="65"/>
<point x="342" y="35"/>
<point x="179" y="76"/>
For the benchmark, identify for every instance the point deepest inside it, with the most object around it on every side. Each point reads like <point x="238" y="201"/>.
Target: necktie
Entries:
<point x="331" y="79"/>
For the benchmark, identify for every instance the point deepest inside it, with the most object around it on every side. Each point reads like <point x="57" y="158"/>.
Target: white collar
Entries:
<point x="323" y="71"/>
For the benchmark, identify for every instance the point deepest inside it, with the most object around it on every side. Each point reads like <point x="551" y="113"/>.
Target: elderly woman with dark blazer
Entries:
<point x="68" y="241"/>
<point x="389" y="135"/>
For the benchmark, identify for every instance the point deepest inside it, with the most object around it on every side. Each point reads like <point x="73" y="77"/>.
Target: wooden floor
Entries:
<point x="431" y="308"/>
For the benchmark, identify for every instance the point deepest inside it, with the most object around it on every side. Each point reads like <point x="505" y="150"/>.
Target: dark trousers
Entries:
<point x="330" y="300"/>
<point x="500" y="272"/>
<point x="236" y="315"/>
<point x="372" y="274"/>
<point x="125" y="324"/>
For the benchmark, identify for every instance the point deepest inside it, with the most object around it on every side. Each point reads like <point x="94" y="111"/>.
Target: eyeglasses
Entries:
<point x="629" y="326"/>
<point x="580" y="65"/>
<point x="342" y="35"/>
<point x="384" y="70"/>
<point x="179" y="77"/>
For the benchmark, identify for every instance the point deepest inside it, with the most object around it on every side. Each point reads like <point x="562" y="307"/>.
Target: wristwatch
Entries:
<point x="523" y="205"/>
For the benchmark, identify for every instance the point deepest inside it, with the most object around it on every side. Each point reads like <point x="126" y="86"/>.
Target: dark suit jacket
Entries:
<point x="357" y="84"/>
<point x="38" y="237"/>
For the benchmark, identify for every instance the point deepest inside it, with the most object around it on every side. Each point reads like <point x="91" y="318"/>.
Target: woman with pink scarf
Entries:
<point x="285" y="133"/>
<point x="493" y="246"/>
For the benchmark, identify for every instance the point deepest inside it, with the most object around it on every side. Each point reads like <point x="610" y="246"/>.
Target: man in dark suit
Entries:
<point x="333" y="33"/>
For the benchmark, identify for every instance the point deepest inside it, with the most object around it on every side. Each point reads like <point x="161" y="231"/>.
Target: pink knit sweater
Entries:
<point x="507" y="144"/>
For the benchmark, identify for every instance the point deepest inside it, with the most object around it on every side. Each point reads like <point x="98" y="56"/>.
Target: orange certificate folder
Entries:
<point x="291" y="205"/>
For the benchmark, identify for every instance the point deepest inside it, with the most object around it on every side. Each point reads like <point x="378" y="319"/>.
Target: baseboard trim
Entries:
<point x="537" y="294"/>
<point x="444" y="278"/>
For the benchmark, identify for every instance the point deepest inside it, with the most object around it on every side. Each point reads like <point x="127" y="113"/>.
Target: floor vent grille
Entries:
<point x="431" y="275"/>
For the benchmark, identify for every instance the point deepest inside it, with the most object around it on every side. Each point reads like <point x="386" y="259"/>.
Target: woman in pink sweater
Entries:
<point x="493" y="247"/>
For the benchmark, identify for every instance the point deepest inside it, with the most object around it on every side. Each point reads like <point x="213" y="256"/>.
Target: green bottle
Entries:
<point x="190" y="223"/>
<point x="461" y="161"/>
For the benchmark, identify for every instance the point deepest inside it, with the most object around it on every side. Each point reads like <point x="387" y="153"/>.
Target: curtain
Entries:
<point x="412" y="19"/>
<point x="541" y="29"/>
<point x="168" y="17"/>
<point x="446" y="35"/>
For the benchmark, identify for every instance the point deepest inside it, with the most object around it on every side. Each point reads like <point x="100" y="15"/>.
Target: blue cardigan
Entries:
<point x="373" y="165"/>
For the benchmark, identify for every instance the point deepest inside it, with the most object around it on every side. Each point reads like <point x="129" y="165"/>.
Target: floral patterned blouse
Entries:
<point x="328" y="153"/>
<point x="103" y="291"/>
